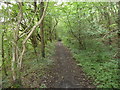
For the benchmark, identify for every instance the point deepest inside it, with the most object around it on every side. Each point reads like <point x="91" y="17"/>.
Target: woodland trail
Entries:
<point x="65" y="73"/>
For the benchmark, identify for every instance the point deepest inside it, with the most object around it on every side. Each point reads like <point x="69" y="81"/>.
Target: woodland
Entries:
<point x="44" y="42"/>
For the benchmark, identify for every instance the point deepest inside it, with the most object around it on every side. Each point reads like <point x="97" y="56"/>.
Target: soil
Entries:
<point x="65" y="73"/>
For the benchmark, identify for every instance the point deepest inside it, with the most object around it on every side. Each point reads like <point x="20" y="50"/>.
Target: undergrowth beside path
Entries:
<point x="99" y="64"/>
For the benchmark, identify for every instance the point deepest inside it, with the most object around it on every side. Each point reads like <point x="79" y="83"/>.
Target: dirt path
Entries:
<point x="65" y="73"/>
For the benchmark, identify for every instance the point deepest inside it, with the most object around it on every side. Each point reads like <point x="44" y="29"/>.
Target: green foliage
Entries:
<point x="86" y="28"/>
<point x="99" y="64"/>
<point x="43" y="86"/>
<point x="34" y="62"/>
<point x="16" y="86"/>
<point x="94" y="25"/>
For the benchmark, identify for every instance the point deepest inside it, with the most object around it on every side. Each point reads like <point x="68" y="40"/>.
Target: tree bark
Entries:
<point x="33" y="37"/>
<point x="14" y="62"/>
<point x="42" y="30"/>
<point x="3" y="59"/>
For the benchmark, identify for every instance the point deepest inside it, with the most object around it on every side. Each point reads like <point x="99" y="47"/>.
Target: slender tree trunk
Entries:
<point x="54" y="29"/>
<point x="81" y="43"/>
<point x="34" y="42"/>
<point x="42" y="31"/>
<point x="2" y="48"/>
<point x="50" y="34"/>
<point x="13" y="65"/>
<point x="50" y="29"/>
<point x="15" y="62"/>
<point x="33" y="37"/>
<point x="55" y="35"/>
<point x="3" y="59"/>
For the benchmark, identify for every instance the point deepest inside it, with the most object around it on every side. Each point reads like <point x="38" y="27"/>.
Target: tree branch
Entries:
<point x="28" y="36"/>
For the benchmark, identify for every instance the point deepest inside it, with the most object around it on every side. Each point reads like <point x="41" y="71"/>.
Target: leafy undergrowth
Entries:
<point x="34" y="68"/>
<point x="98" y="63"/>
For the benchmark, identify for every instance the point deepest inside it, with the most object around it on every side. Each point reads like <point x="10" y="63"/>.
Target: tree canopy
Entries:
<point x="29" y="31"/>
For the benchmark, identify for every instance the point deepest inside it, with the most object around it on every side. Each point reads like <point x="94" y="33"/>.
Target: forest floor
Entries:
<point x="65" y="73"/>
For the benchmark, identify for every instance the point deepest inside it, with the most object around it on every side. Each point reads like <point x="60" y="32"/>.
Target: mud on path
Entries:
<point x="65" y="73"/>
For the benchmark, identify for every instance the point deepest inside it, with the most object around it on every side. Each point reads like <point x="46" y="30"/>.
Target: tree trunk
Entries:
<point x="2" y="48"/>
<point x="3" y="59"/>
<point x="33" y="39"/>
<point x="16" y="74"/>
<point x="80" y="38"/>
<point x="50" y="34"/>
<point x="42" y="31"/>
